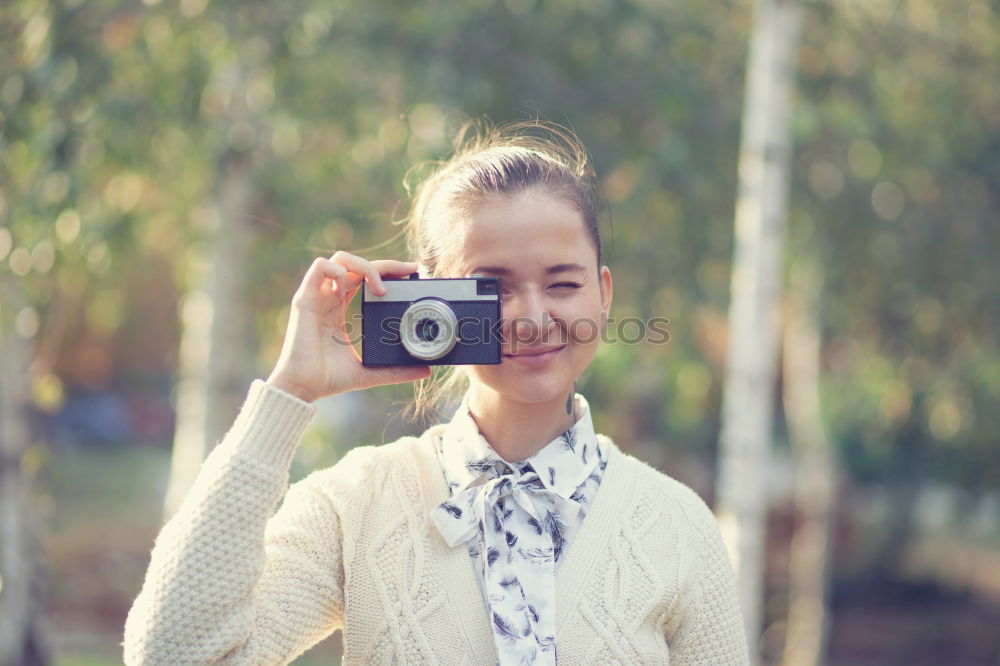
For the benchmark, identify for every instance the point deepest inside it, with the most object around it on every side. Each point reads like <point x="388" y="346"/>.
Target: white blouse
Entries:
<point x="523" y="516"/>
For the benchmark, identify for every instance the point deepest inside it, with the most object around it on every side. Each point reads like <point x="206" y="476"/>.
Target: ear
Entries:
<point x="607" y="291"/>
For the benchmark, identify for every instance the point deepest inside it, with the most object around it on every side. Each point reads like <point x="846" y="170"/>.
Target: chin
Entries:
<point x="530" y="385"/>
<point x="535" y="392"/>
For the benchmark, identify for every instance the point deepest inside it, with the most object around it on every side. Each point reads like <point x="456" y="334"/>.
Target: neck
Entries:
<point x="519" y="430"/>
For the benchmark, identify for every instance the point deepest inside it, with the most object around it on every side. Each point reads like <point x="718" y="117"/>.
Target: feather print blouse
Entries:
<point x="516" y="520"/>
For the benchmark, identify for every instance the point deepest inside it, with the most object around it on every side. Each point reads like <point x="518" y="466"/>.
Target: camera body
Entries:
<point x="432" y="321"/>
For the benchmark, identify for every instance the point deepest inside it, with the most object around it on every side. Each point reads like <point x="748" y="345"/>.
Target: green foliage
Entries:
<point x="118" y="117"/>
<point x="895" y="189"/>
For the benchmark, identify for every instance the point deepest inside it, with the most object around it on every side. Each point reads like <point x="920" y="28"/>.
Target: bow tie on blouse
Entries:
<point x="483" y="509"/>
<point x="521" y="520"/>
<point x="480" y="504"/>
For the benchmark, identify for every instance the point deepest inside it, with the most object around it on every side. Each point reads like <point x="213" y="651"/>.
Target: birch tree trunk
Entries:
<point x="22" y="637"/>
<point x="761" y="210"/>
<point x="216" y="350"/>
<point x="815" y="477"/>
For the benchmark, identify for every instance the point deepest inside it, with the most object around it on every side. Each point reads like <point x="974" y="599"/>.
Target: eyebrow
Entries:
<point x="500" y="270"/>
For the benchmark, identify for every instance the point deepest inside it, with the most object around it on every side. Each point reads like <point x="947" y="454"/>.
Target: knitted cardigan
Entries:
<point x="646" y="579"/>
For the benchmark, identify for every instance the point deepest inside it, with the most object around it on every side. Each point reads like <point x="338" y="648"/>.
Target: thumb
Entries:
<point x="396" y="374"/>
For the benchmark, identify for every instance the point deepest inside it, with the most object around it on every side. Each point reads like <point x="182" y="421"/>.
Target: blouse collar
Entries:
<point x="562" y="464"/>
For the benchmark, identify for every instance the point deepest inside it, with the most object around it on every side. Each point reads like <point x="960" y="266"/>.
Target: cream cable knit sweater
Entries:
<point x="645" y="581"/>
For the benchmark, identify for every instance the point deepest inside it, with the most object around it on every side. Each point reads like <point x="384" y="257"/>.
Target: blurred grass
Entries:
<point x="121" y="484"/>
<point x="103" y="514"/>
<point x="85" y="661"/>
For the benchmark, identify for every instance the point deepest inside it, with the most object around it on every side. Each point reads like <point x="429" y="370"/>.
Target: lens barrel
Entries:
<point x="428" y="329"/>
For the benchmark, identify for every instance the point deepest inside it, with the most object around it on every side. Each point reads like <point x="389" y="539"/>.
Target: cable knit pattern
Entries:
<point x="645" y="580"/>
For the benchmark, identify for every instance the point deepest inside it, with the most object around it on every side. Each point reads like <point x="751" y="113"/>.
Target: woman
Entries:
<point x="511" y="534"/>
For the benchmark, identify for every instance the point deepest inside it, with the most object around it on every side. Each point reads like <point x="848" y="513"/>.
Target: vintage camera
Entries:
<point x="432" y="321"/>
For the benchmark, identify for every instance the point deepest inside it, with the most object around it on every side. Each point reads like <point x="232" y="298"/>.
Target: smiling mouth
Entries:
<point x="530" y="353"/>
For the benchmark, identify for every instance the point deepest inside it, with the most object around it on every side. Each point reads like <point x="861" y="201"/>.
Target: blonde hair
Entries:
<point x="489" y="161"/>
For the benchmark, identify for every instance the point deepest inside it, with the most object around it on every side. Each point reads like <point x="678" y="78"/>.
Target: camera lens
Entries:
<point x="428" y="329"/>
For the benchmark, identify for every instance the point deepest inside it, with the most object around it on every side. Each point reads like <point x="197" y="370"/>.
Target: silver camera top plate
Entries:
<point x="449" y="289"/>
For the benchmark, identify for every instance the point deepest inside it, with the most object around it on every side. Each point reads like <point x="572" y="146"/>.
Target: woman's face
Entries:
<point x="554" y="297"/>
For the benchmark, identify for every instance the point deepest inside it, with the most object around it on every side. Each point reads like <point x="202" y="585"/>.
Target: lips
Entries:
<point x="534" y="357"/>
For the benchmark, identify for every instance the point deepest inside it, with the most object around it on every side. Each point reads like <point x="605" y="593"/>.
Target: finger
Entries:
<point x="321" y="270"/>
<point x="343" y="286"/>
<point x="392" y="267"/>
<point x="361" y="267"/>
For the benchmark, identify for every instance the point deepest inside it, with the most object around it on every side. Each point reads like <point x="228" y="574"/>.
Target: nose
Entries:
<point x="529" y="319"/>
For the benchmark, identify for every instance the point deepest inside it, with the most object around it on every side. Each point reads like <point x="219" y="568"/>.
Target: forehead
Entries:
<point x="524" y="233"/>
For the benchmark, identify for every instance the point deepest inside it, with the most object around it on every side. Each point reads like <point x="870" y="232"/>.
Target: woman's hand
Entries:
<point x="317" y="358"/>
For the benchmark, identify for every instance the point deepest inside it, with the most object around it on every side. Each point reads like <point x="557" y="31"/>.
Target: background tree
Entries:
<point x="23" y="638"/>
<point x="216" y="345"/>
<point x="816" y="471"/>
<point x="761" y="213"/>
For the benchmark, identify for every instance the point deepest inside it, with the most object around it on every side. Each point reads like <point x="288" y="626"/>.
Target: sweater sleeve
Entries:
<point x="227" y="583"/>
<point x="707" y="629"/>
